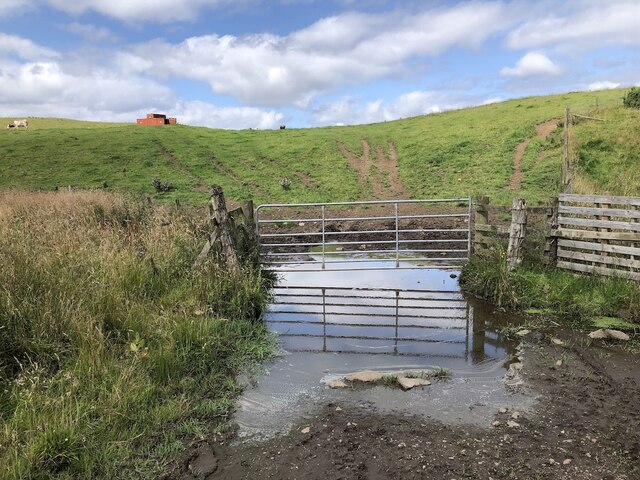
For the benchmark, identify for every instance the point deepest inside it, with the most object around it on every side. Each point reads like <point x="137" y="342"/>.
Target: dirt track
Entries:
<point x="586" y="425"/>
<point x="381" y="171"/>
<point x="543" y="131"/>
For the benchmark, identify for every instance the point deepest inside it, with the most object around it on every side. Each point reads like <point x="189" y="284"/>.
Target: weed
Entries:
<point x="440" y="373"/>
<point x="103" y="344"/>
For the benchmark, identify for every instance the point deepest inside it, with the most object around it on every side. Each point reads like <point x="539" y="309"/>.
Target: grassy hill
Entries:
<point x="456" y="153"/>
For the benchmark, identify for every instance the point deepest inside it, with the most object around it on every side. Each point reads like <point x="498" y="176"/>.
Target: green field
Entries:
<point x="451" y="154"/>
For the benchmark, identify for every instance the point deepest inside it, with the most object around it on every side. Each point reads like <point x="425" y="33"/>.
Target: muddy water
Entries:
<point x="338" y="322"/>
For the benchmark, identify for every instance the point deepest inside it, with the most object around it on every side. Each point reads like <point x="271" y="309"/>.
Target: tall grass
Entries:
<point x="573" y="299"/>
<point x="113" y="352"/>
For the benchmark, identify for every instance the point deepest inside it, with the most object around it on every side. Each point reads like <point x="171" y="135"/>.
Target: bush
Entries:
<point x="161" y="186"/>
<point x="632" y="98"/>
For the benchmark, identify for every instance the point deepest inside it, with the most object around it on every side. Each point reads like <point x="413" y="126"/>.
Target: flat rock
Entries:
<point x="337" y="384"/>
<point x="409" y="383"/>
<point x="607" y="333"/>
<point x="364" y="376"/>
<point x="203" y="462"/>
<point x="523" y="333"/>
<point x="305" y="430"/>
<point x="556" y="341"/>
<point x="512" y="424"/>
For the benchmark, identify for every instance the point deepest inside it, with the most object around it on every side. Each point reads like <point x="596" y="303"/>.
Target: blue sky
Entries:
<point x="257" y="64"/>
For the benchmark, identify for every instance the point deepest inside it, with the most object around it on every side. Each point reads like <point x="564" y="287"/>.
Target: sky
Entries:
<point x="304" y="63"/>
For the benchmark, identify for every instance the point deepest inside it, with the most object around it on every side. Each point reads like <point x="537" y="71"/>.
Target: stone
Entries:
<point x="523" y="333"/>
<point x="566" y="461"/>
<point x="337" y="384"/>
<point x="409" y="383"/>
<point x="515" y="415"/>
<point x="559" y="363"/>
<point x="503" y="410"/>
<point x="606" y="333"/>
<point x="512" y="424"/>
<point x="338" y="409"/>
<point x="203" y="462"/>
<point x="556" y="341"/>
<point x="364" y="376"/>
<point x="617" y="335"/>
<point x="305" y="430"/>
<point x="496" y="423"/>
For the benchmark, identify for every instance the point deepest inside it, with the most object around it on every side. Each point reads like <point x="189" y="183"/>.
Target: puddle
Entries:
<point x="337" y="322"/>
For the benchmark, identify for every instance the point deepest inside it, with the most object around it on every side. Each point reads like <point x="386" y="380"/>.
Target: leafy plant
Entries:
<point x="632" y="98"/>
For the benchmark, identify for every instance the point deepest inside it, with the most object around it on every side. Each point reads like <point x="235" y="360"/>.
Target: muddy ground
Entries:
<point x="585" y="425"/>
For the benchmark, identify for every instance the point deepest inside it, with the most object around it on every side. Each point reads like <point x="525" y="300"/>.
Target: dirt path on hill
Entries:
<point x="585" y="425"/>
<point x="543" y="130"/>
<point x="380" y="170"/>
<point x="200" y="183"/>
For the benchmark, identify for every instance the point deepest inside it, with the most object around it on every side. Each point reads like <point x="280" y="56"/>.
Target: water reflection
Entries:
<point x="418" y="322"/>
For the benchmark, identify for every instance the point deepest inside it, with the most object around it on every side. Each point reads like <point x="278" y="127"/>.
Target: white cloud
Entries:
<point x="274" y="70"/>
<point x="10" y="7"/>
<point x="139" y="10"/>
<point x="209" y="115"/>
<point x="90" y="33"/>
<point x="604" y="85"/>
<point x="583" y="23"/>
<point x="52" y="89"/>
<point x="532" y="64"/>
<point x="348" y="111"/>
<point x="489" y="101"/>
<point x="22" y="47"/>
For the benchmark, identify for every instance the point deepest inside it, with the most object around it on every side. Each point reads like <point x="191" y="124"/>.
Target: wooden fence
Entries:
<point x="492" y="222"/>
<point x="584" y="233"/>
<point x="599" y="234"/>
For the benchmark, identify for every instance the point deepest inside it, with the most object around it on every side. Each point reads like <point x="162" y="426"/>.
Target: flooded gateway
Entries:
<point x="334" y="323"/>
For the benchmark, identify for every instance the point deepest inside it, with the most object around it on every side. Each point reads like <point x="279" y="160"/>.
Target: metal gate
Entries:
<point x="365" y="235"/>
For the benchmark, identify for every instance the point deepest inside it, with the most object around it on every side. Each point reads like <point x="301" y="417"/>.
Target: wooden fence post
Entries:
<point x="566" y="170"/>
<point x="481" y="217"/>
<point x="552" y="228"/>
<point x="223" y="222"/>
<point x="516" y="233"/>
<point x="247" y="210"/>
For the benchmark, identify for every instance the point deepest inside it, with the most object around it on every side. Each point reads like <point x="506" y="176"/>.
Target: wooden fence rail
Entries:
<point x="599" y="234"/>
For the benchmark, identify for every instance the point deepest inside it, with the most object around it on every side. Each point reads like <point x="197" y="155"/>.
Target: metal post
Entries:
<point x="324" y="321"/>
<point x="323" y="239"/>
<point x="469" y="246"/>
<point x="397" y="235"/>
<point x="395" y="346"/>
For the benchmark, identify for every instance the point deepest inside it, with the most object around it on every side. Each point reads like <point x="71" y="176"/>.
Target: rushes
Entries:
<point x="107" y="337"/>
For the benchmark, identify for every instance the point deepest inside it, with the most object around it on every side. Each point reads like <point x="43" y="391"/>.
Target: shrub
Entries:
<point x="632" y="98"/>
<point x="161" y="186"/>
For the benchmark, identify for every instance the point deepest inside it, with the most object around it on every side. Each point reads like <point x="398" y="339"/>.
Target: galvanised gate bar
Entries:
<point x="377" y="234"/>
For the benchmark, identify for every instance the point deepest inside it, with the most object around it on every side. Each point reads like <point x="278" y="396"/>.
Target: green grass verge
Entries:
<point x="574" y="300"/>
<point x="452" y="154"/>
<point x="114" y="354"/>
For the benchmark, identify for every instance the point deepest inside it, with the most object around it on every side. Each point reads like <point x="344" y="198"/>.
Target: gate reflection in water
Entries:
<point x="431" y="323"/>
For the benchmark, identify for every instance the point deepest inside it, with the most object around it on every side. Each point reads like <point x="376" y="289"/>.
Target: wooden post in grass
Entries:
<point x="223" y="222"/>
<point x="481" y="217"/>
<point x="222" y="232"/>
<point x="552" y="227"/>
<point x="247" y="210"/>
<point x="566" y="171"/>
<point x="516" y="233"/>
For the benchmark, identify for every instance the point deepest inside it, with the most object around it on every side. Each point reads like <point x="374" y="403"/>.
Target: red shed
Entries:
<point x="157" y="119"/>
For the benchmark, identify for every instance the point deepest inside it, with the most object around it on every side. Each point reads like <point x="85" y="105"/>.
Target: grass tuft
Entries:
<point x="109" y="343"/>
